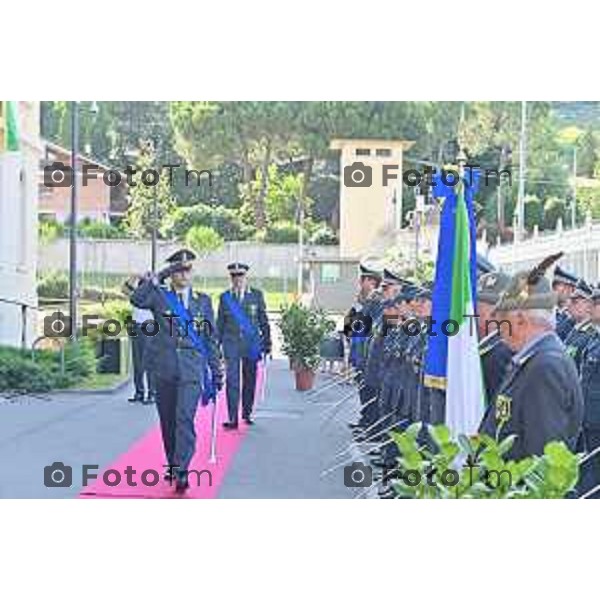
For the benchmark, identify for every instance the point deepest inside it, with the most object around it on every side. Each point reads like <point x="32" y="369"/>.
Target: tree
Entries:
<point x="533" y="212"/>
<point x="140" y="217"/>
<point x="203" y="239"/>
<point x="588" y="154"/>
<point x="554" y="209"/>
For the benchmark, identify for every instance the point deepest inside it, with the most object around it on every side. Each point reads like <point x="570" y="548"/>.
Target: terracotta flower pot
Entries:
<point x="305" y="379"/>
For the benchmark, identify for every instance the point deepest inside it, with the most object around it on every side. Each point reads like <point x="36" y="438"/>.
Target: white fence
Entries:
<point x="581" y="247"/>
<point x="129" y="256"/>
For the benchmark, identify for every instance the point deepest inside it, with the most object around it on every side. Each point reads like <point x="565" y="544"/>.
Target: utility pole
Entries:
<point x="574" y="203"/>
<point x="522" y="164"/>
<point x="73" y="223"/>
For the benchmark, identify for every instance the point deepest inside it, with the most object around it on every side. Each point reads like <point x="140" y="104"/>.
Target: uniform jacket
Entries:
<point x="577" y="340"/>
<point x="230" y="335"/>
<point x="590" y="382"/>
<point x="372" y="310"/>
<point x="540" y="400"/>
<point x="564" y="323"/>
<point x="495" y="357"/>
<point x="172" y="356"/>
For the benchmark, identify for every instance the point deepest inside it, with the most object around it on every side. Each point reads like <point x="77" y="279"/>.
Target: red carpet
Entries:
<point x="147" y="453"/>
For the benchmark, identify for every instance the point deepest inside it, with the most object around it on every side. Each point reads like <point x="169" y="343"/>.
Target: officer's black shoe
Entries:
<point x="148" y="400"/>
<point x="230" y="425"/>
<point x="136" y="398"/>
<point x="181" y="482"/>
<point x="249" y="420"/>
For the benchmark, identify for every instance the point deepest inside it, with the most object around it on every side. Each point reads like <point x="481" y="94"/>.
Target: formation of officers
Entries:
<point x="184" y="350"/>
<point x="539" y="342"/>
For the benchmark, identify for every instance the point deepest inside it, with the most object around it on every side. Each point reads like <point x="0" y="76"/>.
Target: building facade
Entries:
<point x="20" y="154"/>
<point x="96" y="200"/>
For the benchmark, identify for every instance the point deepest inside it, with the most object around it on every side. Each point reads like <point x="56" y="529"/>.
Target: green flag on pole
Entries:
<point x="11" y="127"/>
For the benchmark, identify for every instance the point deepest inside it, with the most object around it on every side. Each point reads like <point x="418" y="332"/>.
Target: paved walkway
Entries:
<point x="282" y="456"/>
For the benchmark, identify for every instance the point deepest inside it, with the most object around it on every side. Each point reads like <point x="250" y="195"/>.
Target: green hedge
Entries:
<point x="20" y="373"/>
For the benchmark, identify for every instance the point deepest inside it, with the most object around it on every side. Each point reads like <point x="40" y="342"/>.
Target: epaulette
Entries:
<point x="587" y="326"/>
<point x="488" y="343"/>
<point x="520" y="362"/>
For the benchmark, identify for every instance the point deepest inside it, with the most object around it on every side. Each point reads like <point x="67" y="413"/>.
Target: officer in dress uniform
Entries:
<point x="391" y="285"/>
<point x="540" y="398"/>
<point x="394" y="408"/>
<point x="245" y="335"/>
<point x="590" y="383"/>
<point x="368" y="310"/>
<point x="183" y="356"/>
<point x="430" y="399"/>
<point x="145" y="391"/>
<point x="494" y="351"/>
<point x="563" y="284"/>
<point x="580" y="307"/>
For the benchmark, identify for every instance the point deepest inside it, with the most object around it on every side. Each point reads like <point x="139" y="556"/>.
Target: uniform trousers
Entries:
<point x="177" y="403"/>
<point x="248" y="386"/>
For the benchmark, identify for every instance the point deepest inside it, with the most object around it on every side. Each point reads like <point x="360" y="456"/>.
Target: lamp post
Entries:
<point x="574" y="203"/>
<point x="73" y="221"/>
<point x="73" y="292"/>
<point x="522" y="163"/>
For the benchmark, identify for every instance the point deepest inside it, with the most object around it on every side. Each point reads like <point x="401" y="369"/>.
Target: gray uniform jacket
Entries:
<point x="173" y="356"/>
<point x="540" y="400"/>
<point x="234" y="342"/>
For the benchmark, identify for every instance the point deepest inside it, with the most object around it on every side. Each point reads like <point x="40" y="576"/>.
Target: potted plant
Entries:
<point x="303" y="330"/>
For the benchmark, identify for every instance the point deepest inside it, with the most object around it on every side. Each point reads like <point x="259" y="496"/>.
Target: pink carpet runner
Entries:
<point x="147" y="453"/>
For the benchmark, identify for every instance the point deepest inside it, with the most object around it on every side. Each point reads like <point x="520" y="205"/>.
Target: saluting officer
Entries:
<point x="245" y="335"/>
<point x="494" y="352"/>
<point x="368" y="308"/>
<point x="563" y="283"/>
<point x="183" y="357"/>
<point x="580" y="307"/>
<point x="540" y="398"/>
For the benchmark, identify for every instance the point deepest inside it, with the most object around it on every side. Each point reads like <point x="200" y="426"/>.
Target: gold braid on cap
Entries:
<point x="540" y="270"/>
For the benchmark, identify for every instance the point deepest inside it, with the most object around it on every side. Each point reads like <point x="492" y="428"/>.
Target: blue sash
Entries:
<point x="246" y="326"/>
<point x="209" y="390"/>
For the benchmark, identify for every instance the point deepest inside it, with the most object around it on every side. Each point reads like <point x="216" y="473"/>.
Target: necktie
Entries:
<point x="180" y="296"/>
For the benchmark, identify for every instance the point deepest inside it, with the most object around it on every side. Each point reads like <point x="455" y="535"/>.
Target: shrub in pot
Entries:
<point x="303" y="331"/>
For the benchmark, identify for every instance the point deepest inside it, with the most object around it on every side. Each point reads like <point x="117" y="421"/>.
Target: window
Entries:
<point x="330" y="272"/>
<point x="383" y="152"/>
<point x="363" y="152"/>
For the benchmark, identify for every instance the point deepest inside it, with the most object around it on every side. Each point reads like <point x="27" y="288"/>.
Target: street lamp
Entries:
<point x="74" y="105"/>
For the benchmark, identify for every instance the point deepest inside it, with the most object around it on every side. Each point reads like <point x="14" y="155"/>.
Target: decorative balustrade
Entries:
<point x="581" y="247"/>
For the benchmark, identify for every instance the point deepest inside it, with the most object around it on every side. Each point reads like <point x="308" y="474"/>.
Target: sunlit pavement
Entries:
<point x="293" y="441"/>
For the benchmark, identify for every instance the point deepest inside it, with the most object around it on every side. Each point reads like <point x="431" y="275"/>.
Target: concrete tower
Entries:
<point x="369" y="206"/>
